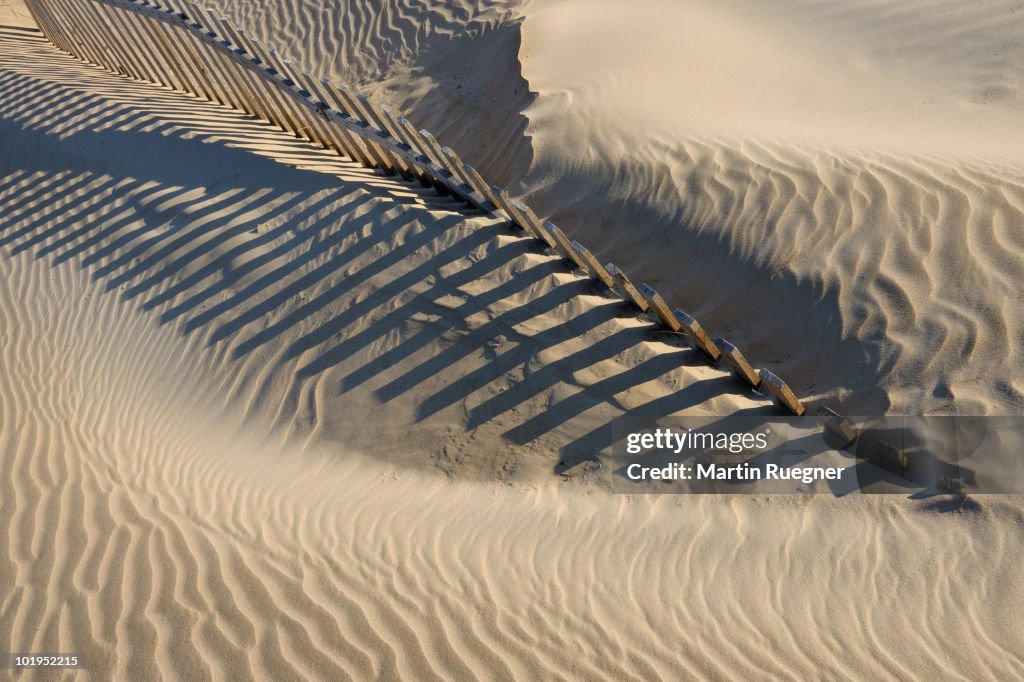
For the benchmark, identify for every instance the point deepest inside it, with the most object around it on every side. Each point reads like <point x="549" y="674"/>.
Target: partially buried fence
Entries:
<point x="187" y="48"/>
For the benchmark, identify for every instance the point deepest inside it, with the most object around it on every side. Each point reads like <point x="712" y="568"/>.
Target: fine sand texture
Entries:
<point x="265" y="414"/>
<point x="839" y="186"/>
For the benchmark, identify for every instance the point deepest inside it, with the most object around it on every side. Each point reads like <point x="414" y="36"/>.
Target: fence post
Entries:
<point x="597" y="271"/>
<point x="656" y="303"/>
<point x="741" y="369"/>
<point x="626" y="288"/>
<point x="697" y="335"/>
<point x="375" y="119"/>
<point x="782" y="393"/>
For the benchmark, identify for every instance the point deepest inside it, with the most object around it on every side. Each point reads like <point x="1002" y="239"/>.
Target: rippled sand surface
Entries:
<point x="265" y="414"/>
<point x="836" y="186"/>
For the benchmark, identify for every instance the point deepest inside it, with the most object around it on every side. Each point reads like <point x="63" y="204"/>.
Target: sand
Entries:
<point x="269" y="415"/>
<point x="854" y="163"/>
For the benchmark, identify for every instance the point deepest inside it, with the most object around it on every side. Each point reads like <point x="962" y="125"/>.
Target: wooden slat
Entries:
<point x="782" y="393"/>
<point x="454" y="164"/>
<point x="285" y="108"/>
<point x="120" y="23"/>
<point x="182" y="53"/>
<point x="438" y="156"/>
<point x="474" y="179"/>
<point x="195" y="58"/>
<point x="697" y="335"/>
<point x="626" y="288"/>
<point x="657" y="305"/>
<point x="562" y="244"/>
<point x="365" y="152"/>
<point x="375" y="119"/>
<point x="87" y="46"/>
<point x="738" y="363"/>
<point x="506" y="204"/>
<point x="339" y="138"/>
<point x="597" y="271"/>
<point x="246" y="99"/>
<point x="245" y="79"/>
<point x="392" y="163"/>
<point x="211" y="60"/>
<point x="839" y="426"/>
<point x="541" y="230"/>
<point x="316" y="128"/>
<point x="351" y="106"/>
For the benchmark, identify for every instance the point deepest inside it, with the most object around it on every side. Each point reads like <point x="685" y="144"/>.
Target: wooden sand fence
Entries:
<point x="184" y="47"/>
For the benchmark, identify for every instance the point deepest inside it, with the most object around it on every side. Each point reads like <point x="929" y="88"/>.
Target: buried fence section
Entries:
<point x="184" y="47"/>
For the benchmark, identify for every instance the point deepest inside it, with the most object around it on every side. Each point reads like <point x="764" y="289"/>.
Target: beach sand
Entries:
<point x="269" y="415"/>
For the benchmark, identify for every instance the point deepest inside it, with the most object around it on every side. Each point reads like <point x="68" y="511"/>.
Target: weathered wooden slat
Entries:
<point x="597" y="271"/>
<point x="422" y="153"/>
<point x="339" y="138"/>
<point x="318" y="127"/>
<point x="43" y="20"/>
<point x="156" y="53"/>
<point x="782" y="393"/>
<point x="92" y="45"/>
<point x="372" y="134"/>
<point x="839" y="426"/>
<point x="438" y="157"/>
<point x="120" y="23"/>
<point x="244" y="78"/>
<point x="284" y="107"/>
<point x="347" y="104"/>
<point x="170" y="56"/>
<point x="540" y="229"/>
<point x="362" y="150"/>
<point x="193" y="55"/>
<point x="398" y="131"/>
<point x="271" y="106"/>
<point x="286" y="82"/>
<point x="626" y="288"/>
<point x="562" y="245"/>
<point x="473" y="179"/>
<point x="657" y="304"/>
<point x="506" y="204"/>
<point x="212" y="60"/>
<point x="234" y="77"/>
<point x="375" y="119"/>
<point x="454" y="164"/>
<point x="737" y="362"/>
<point x="697" y="335"/>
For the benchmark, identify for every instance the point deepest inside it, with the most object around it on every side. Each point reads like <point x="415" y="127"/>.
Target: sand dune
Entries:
<point x="837" y="157"/>
<point x="269" y="415"/>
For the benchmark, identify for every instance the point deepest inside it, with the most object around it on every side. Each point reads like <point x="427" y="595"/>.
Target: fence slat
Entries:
<point x="481" y="189"/>
<point x="350" y="105"/>
<point x="597" y="271"/>
<point x="399" y="133"/>
<point x="181" y="56"/>
<point x="697" y="335"/>
<point x="839" y="426"/>
<point x="782" y="393"/>
<point x="562" y="245"/>
<point x="737" y="362"/>
<point x="656" y="303"/>
<point x="285" y="107"/>
<point x="626" y="288"/>
<point x="375" y="119"/>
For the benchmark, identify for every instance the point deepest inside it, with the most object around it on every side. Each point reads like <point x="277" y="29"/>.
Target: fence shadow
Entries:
<point x="310" y="279"/>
